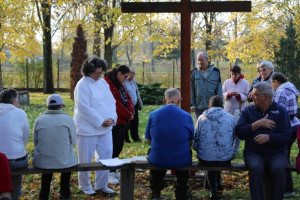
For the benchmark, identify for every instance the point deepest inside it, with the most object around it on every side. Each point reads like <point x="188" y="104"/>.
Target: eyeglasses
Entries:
<point x="97" y="73"/>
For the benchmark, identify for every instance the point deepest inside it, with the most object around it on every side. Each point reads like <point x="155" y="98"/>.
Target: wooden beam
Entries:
<point x="171" y="7"/>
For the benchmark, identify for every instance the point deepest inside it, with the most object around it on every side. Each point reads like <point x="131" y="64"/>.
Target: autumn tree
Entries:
<point x="17" y="32"/>
<point x="79" y="54"/>
<point x="44" y="14"/>
<point x="288" y="56"/>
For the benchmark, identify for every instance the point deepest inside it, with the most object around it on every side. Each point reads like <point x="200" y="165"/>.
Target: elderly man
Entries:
<point x="170" y="133"/>
<point x="133" y="91"/>
<point x="265" y="70"/>
<point x="205" y="83"/>
<point x="265" y="127"/>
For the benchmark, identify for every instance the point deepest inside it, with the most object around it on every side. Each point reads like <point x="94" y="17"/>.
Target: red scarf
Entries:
<point x="241" y="77"/>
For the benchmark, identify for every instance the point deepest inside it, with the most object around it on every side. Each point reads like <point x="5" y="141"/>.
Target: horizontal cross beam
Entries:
<point x="168" y="7"/>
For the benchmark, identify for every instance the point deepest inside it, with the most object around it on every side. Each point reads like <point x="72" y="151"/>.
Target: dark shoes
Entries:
<point x="215" y="196"/>
<point x="128" y="141"/>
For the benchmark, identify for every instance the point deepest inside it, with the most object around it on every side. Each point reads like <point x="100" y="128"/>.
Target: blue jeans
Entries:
<point x="17" y="179"/>
<point x="274" y="164"/>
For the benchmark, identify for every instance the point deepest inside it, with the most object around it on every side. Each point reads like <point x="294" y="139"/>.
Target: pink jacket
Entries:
<point x="231" y="102"/>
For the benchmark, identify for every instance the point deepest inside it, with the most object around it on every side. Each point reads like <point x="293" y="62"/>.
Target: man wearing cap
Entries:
<point x="54" y="141"/>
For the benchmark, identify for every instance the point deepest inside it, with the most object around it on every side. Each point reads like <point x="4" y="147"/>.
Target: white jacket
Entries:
<point x="94" y="103"/>
<point x="14" y="131"/>
<point x="242" y="87"/>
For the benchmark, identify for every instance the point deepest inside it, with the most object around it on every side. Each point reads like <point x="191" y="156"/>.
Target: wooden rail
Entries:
<point x="128" y="172"/>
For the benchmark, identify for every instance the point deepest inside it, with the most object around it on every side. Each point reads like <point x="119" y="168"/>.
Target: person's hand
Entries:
<point x="131" y="117"/>
<point x="250" y="95"/>
<point x="108" y="122"/>
<point x="234" y="94"/>
<point x="262" y="138"/>
<point x="267" y="123"/>
<point x="193" y="109"/>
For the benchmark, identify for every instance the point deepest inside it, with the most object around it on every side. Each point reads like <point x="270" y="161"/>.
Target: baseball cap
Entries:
<point x="54" y="100"/>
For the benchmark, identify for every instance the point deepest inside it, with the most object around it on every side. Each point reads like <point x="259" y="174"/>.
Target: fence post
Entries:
<point x="57" y="74"/>
<point x="143" y="72"/>
<point x="173" y="73"/>
<point x="127" y="183"/>
<point x="27" y="76"/>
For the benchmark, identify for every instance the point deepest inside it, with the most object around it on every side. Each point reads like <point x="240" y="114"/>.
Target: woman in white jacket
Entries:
<point x="235" y="91"/>
<point x="14" y="135"/>
<point x="94" y="116"/>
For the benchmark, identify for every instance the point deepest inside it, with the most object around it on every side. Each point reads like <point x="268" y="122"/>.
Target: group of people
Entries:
<point x="103" y="113"/>
<point x="268" y="126"/>
<point x="106" y="108"/>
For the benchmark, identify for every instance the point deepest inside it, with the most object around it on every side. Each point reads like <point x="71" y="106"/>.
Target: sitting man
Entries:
<point x="170" y="133"/>
<point x="54" y="138"/>
<point x="265" y="127"/>
<point x="214" y="139"/>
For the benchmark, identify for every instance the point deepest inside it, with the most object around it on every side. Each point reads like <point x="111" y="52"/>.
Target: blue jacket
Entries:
<point x="279" y="136"/>
<point x="202" y="89"/>
<point x="170" y="130"/>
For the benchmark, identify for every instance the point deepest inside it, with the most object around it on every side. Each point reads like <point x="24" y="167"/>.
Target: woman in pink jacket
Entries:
<point x="235" y="91"/>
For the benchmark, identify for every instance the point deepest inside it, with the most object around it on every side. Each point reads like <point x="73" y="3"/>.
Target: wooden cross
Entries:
<point x="185" y="8"/>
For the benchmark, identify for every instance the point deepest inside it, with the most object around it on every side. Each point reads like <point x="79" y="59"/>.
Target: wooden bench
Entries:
<point x="128" y="172"/>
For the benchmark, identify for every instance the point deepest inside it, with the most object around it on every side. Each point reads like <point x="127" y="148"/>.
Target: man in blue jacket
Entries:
<point x="170" y="132"/>
<point x="265" y="127"/>
<point x="205" y="83"/>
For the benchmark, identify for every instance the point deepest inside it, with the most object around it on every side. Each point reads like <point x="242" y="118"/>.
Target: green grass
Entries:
<point x="235" y="184"/>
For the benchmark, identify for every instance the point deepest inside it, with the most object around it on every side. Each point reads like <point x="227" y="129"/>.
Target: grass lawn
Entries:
<point x="235" y="184"/>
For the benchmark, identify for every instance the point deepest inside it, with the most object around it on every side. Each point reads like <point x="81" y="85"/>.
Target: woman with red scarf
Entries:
<point x="235" y="91"/>
<point x="125" y="111"/>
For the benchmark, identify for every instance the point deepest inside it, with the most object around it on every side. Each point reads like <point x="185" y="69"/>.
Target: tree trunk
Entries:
<point x="97" y="31"/>
<point x="209" y="19"/>
<point x="47" y="47"/>
<point x="108" y="54"/>
<point x="1" y="84"/>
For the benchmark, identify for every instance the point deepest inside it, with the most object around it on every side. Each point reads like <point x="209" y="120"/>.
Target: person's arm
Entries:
<point x="72" y="132"/>
<point x="147" y="133"/>
<point x="193" y="91"/>
<point x="26" y="129"/>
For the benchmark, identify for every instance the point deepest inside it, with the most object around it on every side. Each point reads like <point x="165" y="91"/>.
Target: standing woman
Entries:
<point x="125" y="111"/>
<point x="235" y="91"/>
<point x="94" y="116"/>
<point x="287" y="94"/>
<point x="14" y="135"/>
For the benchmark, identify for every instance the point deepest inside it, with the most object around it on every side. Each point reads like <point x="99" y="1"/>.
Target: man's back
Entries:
<point x="170" y="130"/>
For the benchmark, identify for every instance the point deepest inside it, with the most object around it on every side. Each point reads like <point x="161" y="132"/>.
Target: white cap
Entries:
<point x="54" y="100"/>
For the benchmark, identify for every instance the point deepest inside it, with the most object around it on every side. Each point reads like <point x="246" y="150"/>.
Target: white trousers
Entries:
<point x="87" y="146"/>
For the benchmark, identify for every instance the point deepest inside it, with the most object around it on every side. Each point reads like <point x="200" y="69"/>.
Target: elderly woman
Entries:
<point x="266" y="69"/>
<point x="287" y="94"/>
<point x="14" y="135"/>
<point x="125" y="111"/>
<point x="94" y="116"/>
<point x="235" y="92"/>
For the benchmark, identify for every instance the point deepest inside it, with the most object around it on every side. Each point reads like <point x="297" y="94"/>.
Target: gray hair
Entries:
<point x="266" y="64"/>
<point x="204" y="53"/>
<point x="264" y="88"/>
<point x="171" y="93"/>
<point x="8" y="95"/>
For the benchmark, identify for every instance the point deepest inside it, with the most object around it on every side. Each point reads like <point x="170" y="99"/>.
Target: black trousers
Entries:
<point x="118" y="135"/>
<point x="134" y="126"/>
<point x="64" y="185"/>
<point x="157" y="183"/>
<point x="214" y="176"/>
